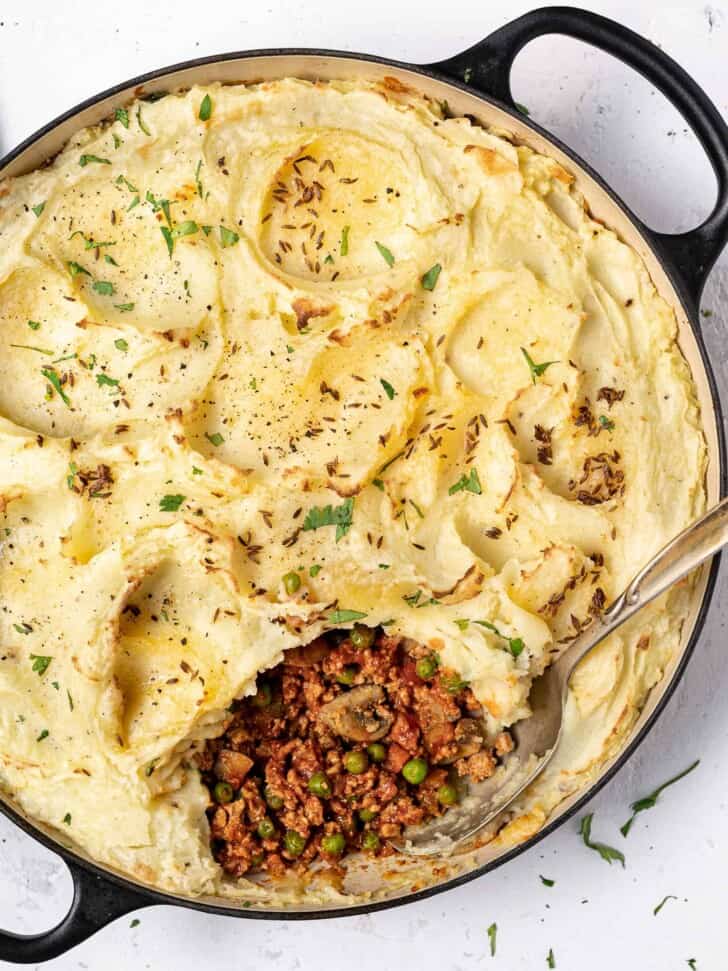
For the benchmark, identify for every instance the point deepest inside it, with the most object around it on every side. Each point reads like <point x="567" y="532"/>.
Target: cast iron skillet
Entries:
<point x="484" y="71"/>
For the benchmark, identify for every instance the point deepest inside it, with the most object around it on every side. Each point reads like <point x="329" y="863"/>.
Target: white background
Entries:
<point x="597" y="917"/>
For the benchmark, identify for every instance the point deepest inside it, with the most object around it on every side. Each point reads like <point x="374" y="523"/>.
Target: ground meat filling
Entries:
<point x="348" y="741"/>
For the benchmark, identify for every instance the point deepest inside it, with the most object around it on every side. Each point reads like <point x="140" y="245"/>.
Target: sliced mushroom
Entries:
<point x="232" y="767"/>
<point x="359" y="714"/>
<point x="469" y="737"/>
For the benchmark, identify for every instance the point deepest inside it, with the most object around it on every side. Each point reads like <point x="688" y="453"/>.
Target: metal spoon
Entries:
<point x="537" y="737"/>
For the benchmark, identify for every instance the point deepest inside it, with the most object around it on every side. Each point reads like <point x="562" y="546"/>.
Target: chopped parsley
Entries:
<point x="41" y="663"/>
<point x="110" y="259"/>
<point x="692" y="964"/>
<point x="546" y="881"/>
<point x="228" y="237"/>
<point x="29" y="347"/>
<point x="171" y="503"/>
<point x="467" y="483"/>
<point x="159" y="204"/>
<point x="124" y="307"/>
<point x="103" y="380"/>
<point x="344" y="244"/>
<point x="70" y="699"/>
<point x="339" y="516"/>
<point x="135" y="923"/>
<point x="186" y="228"/>
<point x="38" y="210"/>
<point x="44" y="734"/>
<point x="536" y="369"/>
<point x="389" y="390"/>
<point x="122" y="180"/>
<point x="89" y="241"/>
<point x="606" y="423"/>
<point x="344" y="616"/>
<point x="205" y="108"/>
<point x="429" y="280"/>
<point x="550" y="959"/>
<point x="607" y="853"/>
<point x="24" y="629"/>
<point x="52" y="378"/>
<point x="378" y="483"/>
<point x="413" y="600"/>
<point x="658" y="908"/>
<point x="75" y="269"/>
<point x="648" y="802"/>
<point x="492" y="931"/>
<point x="117" y="141"/>
<point x="315" y="570"/>
<point x="385" y="253"/>
<point x="122" y="115"/>
<point x="87" y="159"/>
<point x="67" y="819"/>
<point x="522" y="108"/>
<point x="33" y="324"/>
<point x="515" y="644"/>
<point x="214" y="439"/>
<point x="196" y="471"/>
<point x="104" y="287"/>
<point x="120" y="344"/>
<point x="197" y="179"/>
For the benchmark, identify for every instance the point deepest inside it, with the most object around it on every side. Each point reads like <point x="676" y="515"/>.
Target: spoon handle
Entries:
<point x="701" y="540"/>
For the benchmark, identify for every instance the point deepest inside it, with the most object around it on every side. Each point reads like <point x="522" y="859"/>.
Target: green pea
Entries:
<point x="362" y="637"/>
<point x="377" y="752"/>
<point x="262" y="697"/>
<point x="356" y="762"/>
<point x="370" y="841"/>
<point x="292" y="583"/>
<point x="447" y="794"/>
<point x="347" y="674"/>
<point x="273" y="799"/>
<point x="223" y="792"/>
<point x="367" y="815"/>
<point x="333" y="844"/>
<point x="426" y="667"/>
<point x="294" y="843"/>
<point x="266" y="828"/>
<point x="415" y="771"/>
<point x="319" y="785"/>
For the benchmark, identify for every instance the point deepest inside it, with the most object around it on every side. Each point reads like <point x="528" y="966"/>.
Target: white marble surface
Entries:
<point x="596" y="917"/>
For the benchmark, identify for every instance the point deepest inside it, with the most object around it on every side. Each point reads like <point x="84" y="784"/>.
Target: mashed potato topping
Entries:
<point x="323" y="329"/>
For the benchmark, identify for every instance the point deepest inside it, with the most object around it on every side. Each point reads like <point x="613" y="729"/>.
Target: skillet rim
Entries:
<point x="80" y="867"/>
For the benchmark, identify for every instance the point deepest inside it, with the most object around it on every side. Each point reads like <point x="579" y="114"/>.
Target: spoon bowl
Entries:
<point x="536" y="738"/>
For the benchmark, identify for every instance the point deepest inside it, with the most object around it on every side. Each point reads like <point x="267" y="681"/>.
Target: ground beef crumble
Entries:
<point x="348" y="741"/>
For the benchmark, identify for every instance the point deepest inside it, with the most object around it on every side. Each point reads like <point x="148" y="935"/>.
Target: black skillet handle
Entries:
<point x="96" y="902"/>
<point x="487" y="67"/>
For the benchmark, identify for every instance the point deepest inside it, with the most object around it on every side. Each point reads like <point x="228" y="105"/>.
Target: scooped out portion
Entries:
<point x="349" y="740"/>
